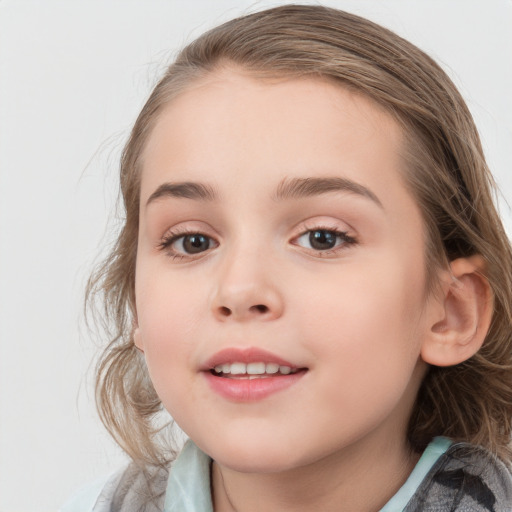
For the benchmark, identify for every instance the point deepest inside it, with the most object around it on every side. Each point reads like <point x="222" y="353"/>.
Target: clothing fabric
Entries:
<point x="449" y="477"/>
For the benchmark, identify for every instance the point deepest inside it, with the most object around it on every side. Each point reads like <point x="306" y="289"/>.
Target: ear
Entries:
<point x="137" y="338"/>
<point x="461" y="316"/>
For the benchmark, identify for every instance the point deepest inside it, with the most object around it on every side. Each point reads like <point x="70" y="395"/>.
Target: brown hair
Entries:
<point x="446" y="172"/>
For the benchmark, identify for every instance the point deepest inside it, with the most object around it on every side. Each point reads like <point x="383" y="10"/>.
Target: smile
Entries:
<point x="250" y="374"/>
<point x="256" y="370"/>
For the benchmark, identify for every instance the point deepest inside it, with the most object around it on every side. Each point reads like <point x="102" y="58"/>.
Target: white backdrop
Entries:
<point x="73" y="75"/>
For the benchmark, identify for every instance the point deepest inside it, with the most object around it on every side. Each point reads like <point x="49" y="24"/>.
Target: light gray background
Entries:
<point x="73" y="75"/>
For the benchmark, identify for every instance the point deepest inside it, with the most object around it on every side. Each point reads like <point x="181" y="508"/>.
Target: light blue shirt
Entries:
<point x="188" y="487"/>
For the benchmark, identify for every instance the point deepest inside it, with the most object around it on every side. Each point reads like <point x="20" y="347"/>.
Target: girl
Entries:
<point x="311" y="279"/>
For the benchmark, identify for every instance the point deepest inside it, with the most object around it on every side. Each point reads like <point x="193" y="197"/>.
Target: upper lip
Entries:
<point x="244" y="355"/>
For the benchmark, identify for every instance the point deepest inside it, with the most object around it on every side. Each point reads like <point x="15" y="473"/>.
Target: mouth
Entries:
<point x="250" y="374"/>
<point x="254" y="370"/>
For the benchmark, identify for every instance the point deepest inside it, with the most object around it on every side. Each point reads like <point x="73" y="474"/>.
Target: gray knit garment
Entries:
<point x="464" y="479"/>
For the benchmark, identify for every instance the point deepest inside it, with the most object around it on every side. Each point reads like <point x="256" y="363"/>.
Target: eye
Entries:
<point x="321" y="239"/>
<point x="181" y="245"/>
<point x="192" y="244"/>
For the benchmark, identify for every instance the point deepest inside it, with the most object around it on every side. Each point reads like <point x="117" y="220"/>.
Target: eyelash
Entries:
<point x="346" y="240"/>
<point x="173" y="236"/>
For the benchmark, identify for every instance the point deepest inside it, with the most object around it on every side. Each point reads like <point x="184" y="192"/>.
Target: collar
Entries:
<point x="188" y="487"/>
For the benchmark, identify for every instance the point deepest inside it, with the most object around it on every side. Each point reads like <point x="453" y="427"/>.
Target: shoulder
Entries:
<point x="85" y="499"/>
<point x="131" y="489"/>
<point x="466" y="478"/>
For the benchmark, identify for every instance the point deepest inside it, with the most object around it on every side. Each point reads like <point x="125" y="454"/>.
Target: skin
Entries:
<point x="357" y="316"/>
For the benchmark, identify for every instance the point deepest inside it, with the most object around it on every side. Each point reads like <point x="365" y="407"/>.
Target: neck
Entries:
<point x="362" y="478"/>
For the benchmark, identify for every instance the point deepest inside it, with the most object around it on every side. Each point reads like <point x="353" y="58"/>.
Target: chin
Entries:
<point x="261" y="456"/>
<point x="259" y="464"/>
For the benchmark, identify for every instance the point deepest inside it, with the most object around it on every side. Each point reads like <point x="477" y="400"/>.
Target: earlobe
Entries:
<point x="137" y="338"/>
<point x="462" y="315"/>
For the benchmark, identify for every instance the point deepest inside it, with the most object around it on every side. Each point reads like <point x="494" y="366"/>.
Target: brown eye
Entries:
<point x="322" y="240"/>
<point x="326" y="240"/>
<point x="192" y="244"/>
<point x="187" y="245"/>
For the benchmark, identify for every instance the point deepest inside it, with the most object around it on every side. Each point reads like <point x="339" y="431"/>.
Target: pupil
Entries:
<point x="196" y="243"/>
<point x="322" y="240"/>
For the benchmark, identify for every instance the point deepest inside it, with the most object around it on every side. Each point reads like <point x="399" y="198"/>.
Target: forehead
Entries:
<point x="232" y="127"/>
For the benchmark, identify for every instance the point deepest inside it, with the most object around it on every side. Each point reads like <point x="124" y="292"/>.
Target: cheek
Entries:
<point x="368" y="325"/>
<point x="168" y="315"/>
<point x="362" y="298"/>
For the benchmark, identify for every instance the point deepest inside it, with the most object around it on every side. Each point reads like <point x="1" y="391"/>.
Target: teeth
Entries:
<point x="238" y="368"/>
<point x="256" y="368"/>
<point x="253" y="369"/>
<point x="271" y="368"/>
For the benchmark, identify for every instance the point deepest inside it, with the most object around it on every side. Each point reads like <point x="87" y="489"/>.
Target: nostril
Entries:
<point x="260" y="308"/>
<point x="257" y="309"/>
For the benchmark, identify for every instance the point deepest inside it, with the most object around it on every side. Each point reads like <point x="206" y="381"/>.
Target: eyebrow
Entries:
<point x="186" y="190"/>
<point x="294" y="188"/>
<point x="289" y="188"/>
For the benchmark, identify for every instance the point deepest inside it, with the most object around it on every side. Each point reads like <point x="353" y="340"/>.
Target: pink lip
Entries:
<point x="249" y="390"/>
<point x="245" y="355"/>
<point x="244" y="390"/>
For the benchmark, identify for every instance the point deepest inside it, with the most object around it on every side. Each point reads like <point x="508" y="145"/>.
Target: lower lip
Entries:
<point x="250" y="390"/>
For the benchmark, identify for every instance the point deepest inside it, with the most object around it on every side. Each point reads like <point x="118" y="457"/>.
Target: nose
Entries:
<point x="247" y="291"/>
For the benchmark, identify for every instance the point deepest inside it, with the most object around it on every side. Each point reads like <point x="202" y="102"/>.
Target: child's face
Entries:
<point x="326" y="276"/>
